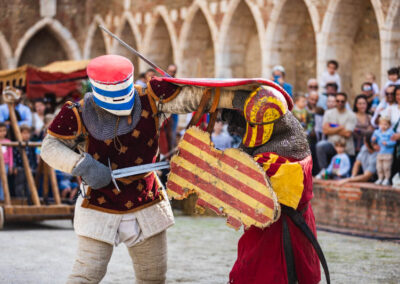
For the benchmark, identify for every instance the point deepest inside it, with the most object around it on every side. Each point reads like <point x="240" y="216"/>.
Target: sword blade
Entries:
<point x="137" y="53"/>
<point x="120" y="173"/>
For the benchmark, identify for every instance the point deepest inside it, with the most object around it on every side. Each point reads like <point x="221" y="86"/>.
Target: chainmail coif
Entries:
<point x="101" y="123"/>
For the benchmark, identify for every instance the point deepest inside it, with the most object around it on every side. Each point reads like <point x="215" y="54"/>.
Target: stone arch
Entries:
<point x="55" y="34"/>
<point x="96" y="43"/>
<point x="128" y="34"/>
<point x="160" y="50"/>
<point x="291" y="43"/>
<point x="160" y="39"/>
<point x="5" y="53"/>
<point x="391" y="48"/>
<point x="197" y="42"/>
<point x="241" y="46"/>
<point x="351" y="35"/>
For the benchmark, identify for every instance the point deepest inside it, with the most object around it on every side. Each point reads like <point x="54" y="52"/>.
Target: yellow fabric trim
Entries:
<point x="288" y="184"/>
<point x="272" y="160"/>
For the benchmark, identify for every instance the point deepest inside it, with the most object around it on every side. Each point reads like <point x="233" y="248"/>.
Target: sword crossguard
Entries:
<point x="112" y="176"/>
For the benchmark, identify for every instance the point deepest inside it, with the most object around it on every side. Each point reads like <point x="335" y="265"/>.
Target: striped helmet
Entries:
<point x="111" y="77"/>
<point x="261" y="109"/>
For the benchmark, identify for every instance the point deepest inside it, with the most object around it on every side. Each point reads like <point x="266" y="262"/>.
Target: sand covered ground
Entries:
<point x="201" y="250"/>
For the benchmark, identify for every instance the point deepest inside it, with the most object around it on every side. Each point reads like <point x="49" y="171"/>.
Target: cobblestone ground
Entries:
<point x="201" y="250"/>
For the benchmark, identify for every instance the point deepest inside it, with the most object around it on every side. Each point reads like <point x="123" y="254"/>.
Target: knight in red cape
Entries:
<point x="117" y="124"/>
<point x="281" y="253"/>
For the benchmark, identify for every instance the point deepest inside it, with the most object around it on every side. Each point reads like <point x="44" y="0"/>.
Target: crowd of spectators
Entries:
<point x="355" y="140"/>
<point x="350" y="140"/>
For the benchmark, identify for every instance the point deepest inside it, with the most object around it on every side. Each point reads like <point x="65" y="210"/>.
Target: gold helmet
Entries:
<point x="261" y="109"/>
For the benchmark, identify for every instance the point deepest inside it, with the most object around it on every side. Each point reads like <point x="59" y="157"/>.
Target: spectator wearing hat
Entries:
<point x="278" y="76"/>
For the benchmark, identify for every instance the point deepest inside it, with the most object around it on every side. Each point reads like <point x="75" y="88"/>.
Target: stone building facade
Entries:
<point x="214" y="38"/>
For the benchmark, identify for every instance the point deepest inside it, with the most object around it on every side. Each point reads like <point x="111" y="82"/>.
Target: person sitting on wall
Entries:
<point x="338" y="123"/>
<point x="340" y="165"/>
<point x="364" y="168"/>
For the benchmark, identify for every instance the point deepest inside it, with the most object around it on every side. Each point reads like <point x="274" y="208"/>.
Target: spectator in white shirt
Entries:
<point x="331" y="75"/>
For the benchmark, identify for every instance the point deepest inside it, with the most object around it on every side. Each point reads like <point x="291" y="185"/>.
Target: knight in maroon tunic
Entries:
<point x="117" y="124"/>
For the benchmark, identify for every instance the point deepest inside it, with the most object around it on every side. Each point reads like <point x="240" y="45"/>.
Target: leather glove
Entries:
<point x="93" y="173"/>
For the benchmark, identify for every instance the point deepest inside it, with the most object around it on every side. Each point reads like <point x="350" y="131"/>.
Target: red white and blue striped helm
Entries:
<point x="111" y="77"/>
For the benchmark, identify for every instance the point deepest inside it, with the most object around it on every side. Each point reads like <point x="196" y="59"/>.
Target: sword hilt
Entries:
<point x="112" y="176"/>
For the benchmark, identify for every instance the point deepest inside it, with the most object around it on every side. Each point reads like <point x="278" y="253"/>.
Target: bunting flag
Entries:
<point x="228" y="182"/>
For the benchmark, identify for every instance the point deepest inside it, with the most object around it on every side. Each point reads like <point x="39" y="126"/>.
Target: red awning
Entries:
<point x="38" y="83"/>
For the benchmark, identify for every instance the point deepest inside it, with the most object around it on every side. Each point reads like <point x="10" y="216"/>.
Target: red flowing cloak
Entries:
<point x="261" y="258"/>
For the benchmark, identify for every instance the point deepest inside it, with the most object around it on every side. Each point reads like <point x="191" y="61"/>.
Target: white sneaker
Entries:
<point x="379" y="181"/>
<point x="386" y="182"/>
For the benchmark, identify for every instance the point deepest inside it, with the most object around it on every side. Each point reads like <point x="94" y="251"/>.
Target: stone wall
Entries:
<point x="357" y="208"/>
<point x="218" y="38"/>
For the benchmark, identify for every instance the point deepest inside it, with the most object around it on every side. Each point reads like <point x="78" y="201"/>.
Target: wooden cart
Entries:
<point x="17" y="209"/>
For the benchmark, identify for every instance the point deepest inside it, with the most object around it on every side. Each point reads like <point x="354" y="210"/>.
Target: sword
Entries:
<point x="136" y="170"/>
<point x="137" y="53"/>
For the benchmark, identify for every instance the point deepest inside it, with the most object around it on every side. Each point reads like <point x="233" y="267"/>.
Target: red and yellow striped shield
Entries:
<point x="228" y="182"/>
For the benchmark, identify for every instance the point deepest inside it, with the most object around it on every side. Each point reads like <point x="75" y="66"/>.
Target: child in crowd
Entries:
<point x="340" y="164"/>
<point x="331" y="75"/>
<point x="20" y="182"/>
<point x="393" y="79"/>
<point x="67" y="184"/>
<point x="221" y="139"/>
<point x="301" y="113"/>
<point x="384" y="158"/>
<point x="7" y="155"/>
<point x="370" y="77"/>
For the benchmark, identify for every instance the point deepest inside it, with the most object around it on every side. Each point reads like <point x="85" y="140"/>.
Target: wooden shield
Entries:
<point x="228" y="182"/>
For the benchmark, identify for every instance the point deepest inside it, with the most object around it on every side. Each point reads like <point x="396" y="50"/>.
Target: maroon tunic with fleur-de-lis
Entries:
<point x="137" y="147"/>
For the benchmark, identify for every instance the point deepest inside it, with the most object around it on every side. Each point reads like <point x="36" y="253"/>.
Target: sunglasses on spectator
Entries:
<point x="340" y="101"/>
<point x="387" y="94"/>
<point x="313" y="87"/>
